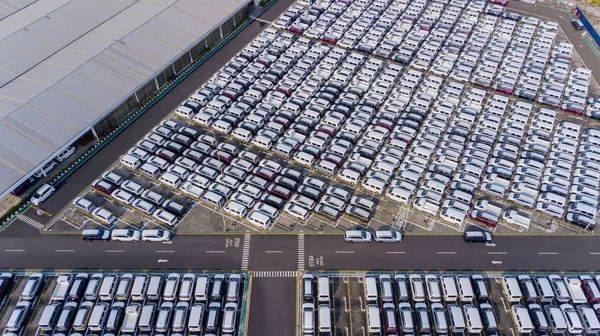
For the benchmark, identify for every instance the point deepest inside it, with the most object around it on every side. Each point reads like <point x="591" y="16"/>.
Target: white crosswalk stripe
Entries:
<point x="275" y="274"/>
<point x="301" y="252"/>
<point x="246" y="252"/>
<point x="30" y="221"/>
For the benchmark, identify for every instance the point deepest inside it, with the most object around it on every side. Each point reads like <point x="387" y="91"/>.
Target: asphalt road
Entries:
<point x="280" y="252"/>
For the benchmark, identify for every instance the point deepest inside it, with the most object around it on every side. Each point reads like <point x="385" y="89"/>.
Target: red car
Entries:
<point x="573" y="109"/>
<point x="104" y="186"/>
<point x="329" y="39"/>
<point x="264" y="173"/>
<point x="296" y="29"/>
<point x="280" y="191"/>
<point x="222" y="156"/>
<point x="484" y="217"/>
<point x="504" y="90"/>
<point x="500" y="2"/>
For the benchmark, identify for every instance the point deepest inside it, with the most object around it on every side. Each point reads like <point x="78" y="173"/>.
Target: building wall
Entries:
<point x="135" y="101"/>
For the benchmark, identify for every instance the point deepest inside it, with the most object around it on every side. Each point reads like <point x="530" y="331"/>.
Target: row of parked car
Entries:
<point x="130" y="193"/>
<point x="411" y="33"/>
<point x="127" y="303"/>
<point x="554" y="303"/>
<point x="514" y="129"/>
<point x="248" y="187"/>
<point x="409" y="304"/>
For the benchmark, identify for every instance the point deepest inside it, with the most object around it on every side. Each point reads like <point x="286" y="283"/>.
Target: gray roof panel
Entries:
<point x="69" y="62"/>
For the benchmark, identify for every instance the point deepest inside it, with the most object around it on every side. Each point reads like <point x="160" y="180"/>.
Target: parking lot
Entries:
<point x="383" y="303"/>
<point x="123" y="303"/>
<point x="425" y="116"/>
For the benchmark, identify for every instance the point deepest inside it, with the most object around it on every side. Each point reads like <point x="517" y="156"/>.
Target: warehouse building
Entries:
<point x="78" y="68"/>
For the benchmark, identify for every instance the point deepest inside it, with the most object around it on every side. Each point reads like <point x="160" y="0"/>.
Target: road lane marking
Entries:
<point x="114" y="251"/>
<point x="594" y="253"/>
<point x="496" y="262"/>
<point x="547" y="253"/>
<point x="215" y="251"/>
<point x="446" y="252"/>
<point x="344" y="252"/>
<point x="395" y="252"/>
<point x="273" y="251"/>
<point x="497" y="253"/>
<point x="64" y="250"/>
<point x="246" y="252"/>
<point x="14" y="250"/>
<point x="165" y="251"/>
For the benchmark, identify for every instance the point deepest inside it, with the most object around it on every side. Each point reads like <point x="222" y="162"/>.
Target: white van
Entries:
<point x="374" y="185"/>
<point x="236" y="209"/>
<point x="263" y="142"/>
<point x="323" y="289"/>
<point x="457" y="320"/>
<point x="150" y="170"/>
<point x="222" y="126"/>
<point x="453" y="215"/>
<point x="170" y="179"/>
<point x="473" y="319"/>
<point x="350" y="175"/>
<point x="449" y="288"/>
<point x="370" y="284"/>
<point x="130" y="161"/>
<point x="522" y="319"/>
<point x="399" y="194"/>
<point x="511" y="288"/>
<point x="373" y="319"/>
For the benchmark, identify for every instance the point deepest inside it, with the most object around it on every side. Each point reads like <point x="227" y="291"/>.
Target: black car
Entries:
<point x="477" y="236"/>
<point x="577" y="25"/>
<point x="273" y="201"/>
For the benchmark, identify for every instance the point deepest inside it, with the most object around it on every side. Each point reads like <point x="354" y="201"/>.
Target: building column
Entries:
<point x="94" y="133"/>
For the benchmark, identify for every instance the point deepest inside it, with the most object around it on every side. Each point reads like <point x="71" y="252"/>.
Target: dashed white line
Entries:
<point x="273" y="251"/>
<point x="114" y="251"/>
<point x="446" y="252"/>
<point x="344" y="252"/>
<point x="595" y="253"/>
<point x="395" y="252"/>
<point x="215" y="251"/>
<point x="165" y="251"/>
<point x="65" y="251"/>
<point x="547" y="253"/>
<point x="497" y="253"/>
<point x="14" y="250"/>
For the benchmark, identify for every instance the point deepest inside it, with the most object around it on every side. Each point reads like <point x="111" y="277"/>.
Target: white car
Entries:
<point x="66" y="154"/>
<point x="46" y="169"/>
<point x="388" y="236"/>
<point x="529" y="2"/>
<point x="125" y="235"/>
<point x="159" y="235"/>
<point x="42" y="194"/>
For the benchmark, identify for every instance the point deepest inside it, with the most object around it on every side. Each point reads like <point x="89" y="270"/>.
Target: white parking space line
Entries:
<point x="344" y="252"/>
<point x="114" y="251"/>
<point x="547" y="253"/>
<point x="14" y="250"/>
<point x="64" y="251"/>
<point x="449" y="253"/>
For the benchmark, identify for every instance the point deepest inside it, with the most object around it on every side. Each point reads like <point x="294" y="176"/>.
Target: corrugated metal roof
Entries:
<point x="64" y="64"/>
